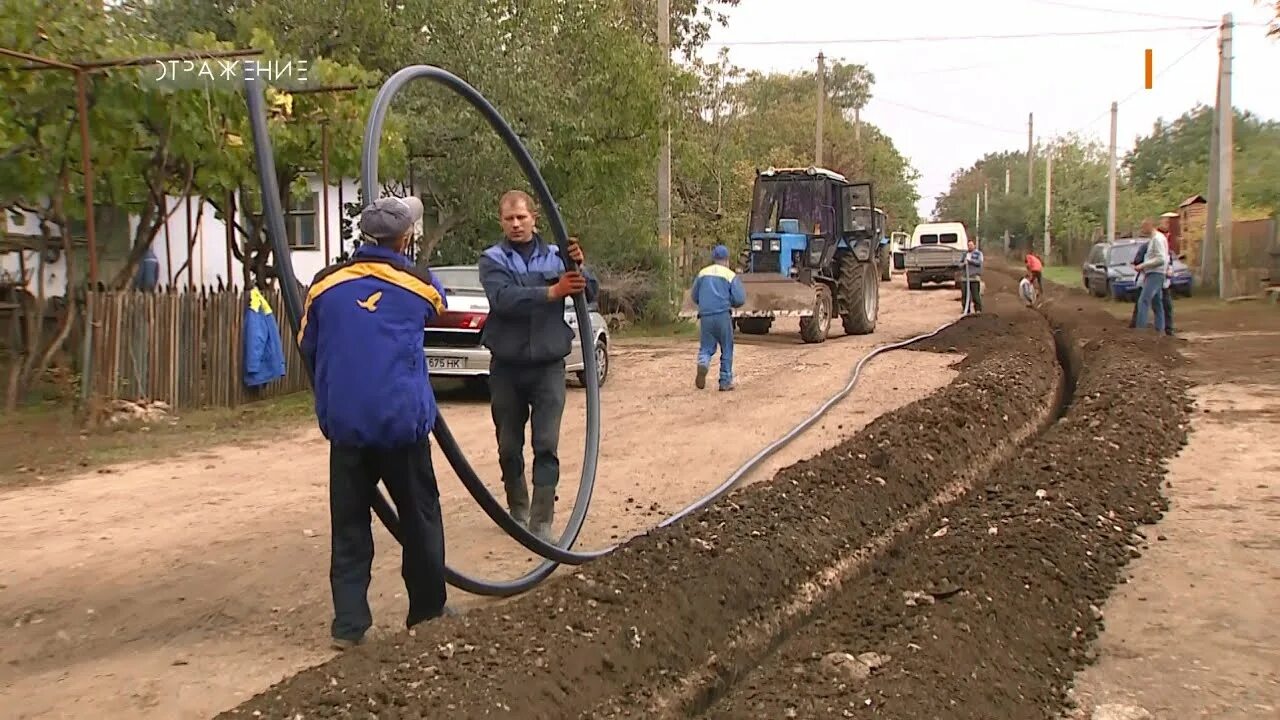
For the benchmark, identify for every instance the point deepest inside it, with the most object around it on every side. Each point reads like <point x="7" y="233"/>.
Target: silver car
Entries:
<point x="452" y="341"/>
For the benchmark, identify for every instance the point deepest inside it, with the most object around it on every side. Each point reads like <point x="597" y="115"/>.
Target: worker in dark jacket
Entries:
<point x="526" y="282"/>
<point x="362" y="335"/>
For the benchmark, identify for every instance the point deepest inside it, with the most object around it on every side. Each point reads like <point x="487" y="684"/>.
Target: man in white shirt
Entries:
<point x="1152" y="272"/>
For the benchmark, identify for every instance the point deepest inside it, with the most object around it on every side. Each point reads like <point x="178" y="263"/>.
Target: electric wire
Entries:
<point x="945" y="116"/>
<point x="961" y="38"/>
<point x="1114" y="11"/>
<point x="1162" y="71"/>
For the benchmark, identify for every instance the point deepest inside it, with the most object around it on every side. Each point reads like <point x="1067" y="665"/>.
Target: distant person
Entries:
<point x="1036" y="268"/>
<point x="1166" y="296"/>
<point x="1027" y="290"/>
<point x="972" y="281"/>
<point x="1152" y="269"/>
<point x="147" y="277"/>
<point x="716" y="291"/>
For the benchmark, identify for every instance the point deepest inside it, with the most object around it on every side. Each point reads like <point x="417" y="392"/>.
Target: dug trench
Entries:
<point x="992" y="608"/>
<point x="678" y="612"/>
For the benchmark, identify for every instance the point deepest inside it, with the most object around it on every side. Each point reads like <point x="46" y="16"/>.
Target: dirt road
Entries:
<point x="1193" y="632"/>
<point x="175" y="590"/>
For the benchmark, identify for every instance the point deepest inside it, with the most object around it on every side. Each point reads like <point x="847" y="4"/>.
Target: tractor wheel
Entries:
<point x="859" y="295"/>
<point x="883" y="262"/>
<point x="813" y="329"/>
<point x="755" y="325"/>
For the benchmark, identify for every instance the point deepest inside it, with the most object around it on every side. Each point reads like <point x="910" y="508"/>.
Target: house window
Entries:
<point x="300" y="222"/>
<point x="301" y="226"/>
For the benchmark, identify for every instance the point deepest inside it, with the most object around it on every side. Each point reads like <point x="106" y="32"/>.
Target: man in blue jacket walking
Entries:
<point x="716" y="291"/>
<point x="526" y="282"/>
<point x="361" y="334"/>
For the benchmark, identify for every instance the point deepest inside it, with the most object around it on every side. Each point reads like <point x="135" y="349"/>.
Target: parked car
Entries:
<point x="1108" y="271"/>
<point x="452" y="340"/>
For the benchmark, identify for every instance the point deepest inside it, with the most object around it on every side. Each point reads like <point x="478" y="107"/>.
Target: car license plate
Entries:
<point x="445" y="363"/>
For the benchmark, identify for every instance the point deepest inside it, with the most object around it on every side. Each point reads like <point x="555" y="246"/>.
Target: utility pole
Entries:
<point x="1006" y="181"/>
<point x="1031" y="154"/>
<point x="664" y="155"/>
<point x="1111" y="189"/>
<point x="977" y="214"/>
<point x="1209" y="243"/>
<point x="1226" y="132"/>
<point x="1048" y="204"/>
<point x="822" y="104"/>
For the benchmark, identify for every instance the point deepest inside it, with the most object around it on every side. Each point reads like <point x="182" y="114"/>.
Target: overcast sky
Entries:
<point x="982" y="89"/>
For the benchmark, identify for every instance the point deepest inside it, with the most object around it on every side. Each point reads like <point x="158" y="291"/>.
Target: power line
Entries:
<point x="943" y="116"/>
<point x="953" y="38"/>
<point x="1136" y="92"/>
<point x="1133" y="13"/>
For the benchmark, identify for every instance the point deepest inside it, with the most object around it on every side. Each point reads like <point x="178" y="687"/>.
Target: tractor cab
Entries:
<point x="800" y="217"/>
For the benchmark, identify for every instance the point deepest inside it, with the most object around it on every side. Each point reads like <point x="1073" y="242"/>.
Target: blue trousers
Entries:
<point x="717" y="330"/>
<point x="1151" y="297"/>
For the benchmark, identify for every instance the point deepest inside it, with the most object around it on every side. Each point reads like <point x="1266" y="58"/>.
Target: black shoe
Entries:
<point x="700" y="380"/>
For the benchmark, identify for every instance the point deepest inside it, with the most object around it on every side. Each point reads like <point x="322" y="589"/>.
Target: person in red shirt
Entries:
<point x="1035" y="267"/>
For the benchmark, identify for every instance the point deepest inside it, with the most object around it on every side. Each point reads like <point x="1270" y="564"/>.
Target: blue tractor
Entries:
<point x="813" y="241"/>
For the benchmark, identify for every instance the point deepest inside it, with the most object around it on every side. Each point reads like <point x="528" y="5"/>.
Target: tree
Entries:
<point x="734" y="122"/>
<point x="1162" y="169"/>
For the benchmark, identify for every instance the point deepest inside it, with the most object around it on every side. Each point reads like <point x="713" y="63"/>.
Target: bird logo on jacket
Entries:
<point x="371" y="303"/>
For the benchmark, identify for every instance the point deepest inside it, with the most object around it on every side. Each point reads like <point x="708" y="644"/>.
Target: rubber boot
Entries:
<point x="544" y="511"/>
<point x="518" y="501"/>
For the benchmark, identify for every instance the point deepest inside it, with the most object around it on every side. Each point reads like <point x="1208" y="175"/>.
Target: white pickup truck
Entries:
<point x="935" y="253"/>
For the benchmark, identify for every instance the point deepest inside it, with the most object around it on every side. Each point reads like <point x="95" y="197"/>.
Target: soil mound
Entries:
<point x="622" y="628"/>
<point x="989" y="612"/>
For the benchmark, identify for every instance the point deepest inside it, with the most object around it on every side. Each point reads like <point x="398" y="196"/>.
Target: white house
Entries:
<point x="306" y="223"/>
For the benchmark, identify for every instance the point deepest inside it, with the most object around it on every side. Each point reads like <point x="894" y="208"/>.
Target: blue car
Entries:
<point x="1108" y="271"/>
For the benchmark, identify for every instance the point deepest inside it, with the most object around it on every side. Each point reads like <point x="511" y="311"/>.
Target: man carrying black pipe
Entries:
<point x="361" y="332"/>
<point x="526" y="281"/>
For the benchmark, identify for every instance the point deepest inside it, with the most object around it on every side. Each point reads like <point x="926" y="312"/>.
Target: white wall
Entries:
<point x="210" y="247"/>
<point x="12" y="263"/>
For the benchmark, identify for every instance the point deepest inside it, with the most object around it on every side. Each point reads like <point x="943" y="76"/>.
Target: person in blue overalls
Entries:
<point x="361" y="333"/>
<point x="526" y="282"/>
<point x="716" y="291"/>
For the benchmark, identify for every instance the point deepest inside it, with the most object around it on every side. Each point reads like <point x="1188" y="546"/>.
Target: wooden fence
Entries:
<point x="184" y="349"/>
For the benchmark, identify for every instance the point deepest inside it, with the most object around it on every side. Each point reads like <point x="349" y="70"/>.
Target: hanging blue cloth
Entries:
<point x="263" y="352"/>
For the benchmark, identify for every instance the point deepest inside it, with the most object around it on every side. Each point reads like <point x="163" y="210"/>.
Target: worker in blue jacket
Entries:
<point x="361" y="332"/>
<point x="716" y="291"/>
<point x="526" y="282"/>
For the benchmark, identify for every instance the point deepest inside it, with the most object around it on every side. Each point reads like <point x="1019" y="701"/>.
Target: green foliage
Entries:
<point x="1162" y="169"/>
<point x="735" y="122"/>
<point x="583" y="84"/>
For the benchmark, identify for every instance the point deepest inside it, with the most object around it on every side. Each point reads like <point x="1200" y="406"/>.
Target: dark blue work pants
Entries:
<point x="410" y="479"/>
<point x="519" y="394"/>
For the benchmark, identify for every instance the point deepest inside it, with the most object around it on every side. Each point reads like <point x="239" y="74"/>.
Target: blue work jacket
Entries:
<point x="362" y="332"/>
<point x="523" y="327"/>
<point x="263" y="350"/>
<point x="717" y="290"/>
